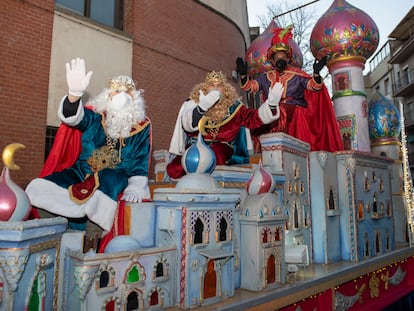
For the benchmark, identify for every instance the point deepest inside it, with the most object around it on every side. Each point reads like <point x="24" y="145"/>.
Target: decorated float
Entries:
<point x="296" y="230"/>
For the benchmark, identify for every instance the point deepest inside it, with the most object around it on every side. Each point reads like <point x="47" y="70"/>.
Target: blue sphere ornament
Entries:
<point x="122" y="243"/>
<point x="199" y="158"/>
<point x="383" y="119"/>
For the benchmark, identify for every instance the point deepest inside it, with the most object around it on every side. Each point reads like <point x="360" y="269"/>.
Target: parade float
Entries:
<point x="296" y="230"/>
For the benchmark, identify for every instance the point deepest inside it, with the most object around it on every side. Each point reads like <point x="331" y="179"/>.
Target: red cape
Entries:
<point x="317" y="124"/>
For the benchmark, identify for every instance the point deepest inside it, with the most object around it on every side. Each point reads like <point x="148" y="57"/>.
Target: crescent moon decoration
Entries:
<point x="202" y="125"/>
<point x="8" y="155"/>
<point x="206" y="123"/>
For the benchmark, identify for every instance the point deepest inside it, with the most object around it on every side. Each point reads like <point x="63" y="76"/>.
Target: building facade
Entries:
<point x="167" y="48"/>
<point x="391" y="74"/>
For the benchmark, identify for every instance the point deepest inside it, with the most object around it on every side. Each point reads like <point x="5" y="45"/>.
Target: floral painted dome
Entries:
<point x="383" y="119"/>
<point x="344" y="31"/>
<point x="257" y="52"/>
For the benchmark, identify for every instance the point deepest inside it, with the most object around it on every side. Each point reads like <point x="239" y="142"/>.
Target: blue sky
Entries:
<point x="386" y="13"/>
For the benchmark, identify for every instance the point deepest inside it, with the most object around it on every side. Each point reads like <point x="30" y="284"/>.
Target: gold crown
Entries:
<point x="122" y="83"/>
<point x="215" y="77"/>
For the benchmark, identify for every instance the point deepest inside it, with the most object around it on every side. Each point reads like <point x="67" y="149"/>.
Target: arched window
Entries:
<point x="361" y="210"/>
<point x="223" y="229"/>
<point x="331" y="200"/>
<point x="271" y="269"/>
<point x="278" y="234"/>
<point x="110" y="305"/>
<point x="133" y="275"/>
<point x="295" y="216"/>
<point x="210" y="281"/>
<point x="198" y="231"/>
<point x="366" y="249"/>
<point x="104" y="279"/>
<point x="265" y="235"/>
<point x="132" y="301"/>
<point x="374" y="203"/>
<point x="154" y="298"/>
<point x="159" y="270"/>
<point x="378" y="248"/>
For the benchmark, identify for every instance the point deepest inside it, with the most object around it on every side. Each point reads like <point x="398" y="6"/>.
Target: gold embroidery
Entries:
<point x="212" y="127"/>
<point x="213" y="132"/>
<point x="104" y="157"/>
<point x="107" y="156"/>
<point x="87" y="192"/>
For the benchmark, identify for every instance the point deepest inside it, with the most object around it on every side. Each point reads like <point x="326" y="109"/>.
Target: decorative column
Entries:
<point x="84" y="277"/>
<point x="350" y="102"/>
<point x="12" y="264"/>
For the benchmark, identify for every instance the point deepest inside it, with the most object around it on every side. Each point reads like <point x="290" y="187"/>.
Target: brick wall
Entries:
<point x="175" y="44"/>
<point x="25" y="41"/>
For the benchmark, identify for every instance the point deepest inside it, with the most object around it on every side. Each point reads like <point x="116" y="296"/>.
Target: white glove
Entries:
<point x="207" y="101"/>
<point x="76" y="78"/>
<point x="275" y="94"/>
<point x="137" y="189"/>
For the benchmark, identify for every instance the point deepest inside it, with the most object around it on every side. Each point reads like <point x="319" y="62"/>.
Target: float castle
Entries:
<point x="256" y="228"/>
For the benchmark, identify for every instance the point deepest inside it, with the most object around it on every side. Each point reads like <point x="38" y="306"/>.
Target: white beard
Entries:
<point x="120" y="121"/>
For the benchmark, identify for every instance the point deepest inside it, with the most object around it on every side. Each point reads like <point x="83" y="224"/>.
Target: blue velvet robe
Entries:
<point x="134" y="156"/>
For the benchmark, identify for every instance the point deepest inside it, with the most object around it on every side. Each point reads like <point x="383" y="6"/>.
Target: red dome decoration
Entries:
<point x="344" y="31"/>
<point x="260" y="182"/>
<point x="257" y="51"/>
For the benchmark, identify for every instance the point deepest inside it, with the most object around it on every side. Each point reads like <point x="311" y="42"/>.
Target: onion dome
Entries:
<point x="122" y="243"/>
<point x="344" y="31"/>
<point x="383" y="120"/>
<point x="260" y="202"/>
<point x="199" y="158"/>
<point x="14" y="202"/>
<point x="256" y="54"/>
<point x="199" y="161"/>
<point x="260" y="182"/>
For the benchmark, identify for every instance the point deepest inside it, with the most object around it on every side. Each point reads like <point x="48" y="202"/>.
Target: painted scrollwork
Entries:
<point x="343" y="303"/>
<point x="322" y="158"/>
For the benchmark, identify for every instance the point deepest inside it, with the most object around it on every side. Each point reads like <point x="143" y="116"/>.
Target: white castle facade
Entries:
<point x="201" y="240"/>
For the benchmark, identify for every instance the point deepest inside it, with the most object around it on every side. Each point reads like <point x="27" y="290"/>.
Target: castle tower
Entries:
<point x="284" y="154"/>
<point x="384" y="131"/>
<point x="326" y="212"/>
<point x="348" y="37"/>
<point x="198" y="216"/>
<point x="262" y="230"/>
